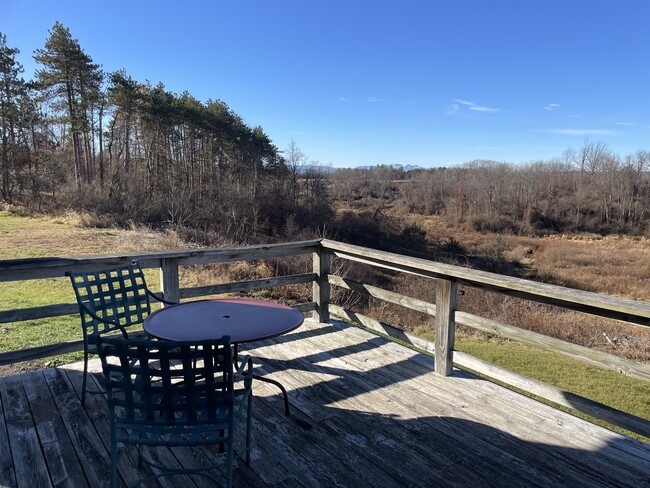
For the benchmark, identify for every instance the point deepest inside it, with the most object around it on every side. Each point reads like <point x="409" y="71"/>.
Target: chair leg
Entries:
<point x="113" y="458"/>
<point x="249" y="414"/>
<point x="83" y="381"/>
<point x="229" y="456"/>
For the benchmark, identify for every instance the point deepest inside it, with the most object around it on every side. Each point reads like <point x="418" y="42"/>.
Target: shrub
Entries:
<point x="414" y="234"/>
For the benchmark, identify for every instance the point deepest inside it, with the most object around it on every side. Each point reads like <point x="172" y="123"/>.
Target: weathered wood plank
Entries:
<point x="313" y="442"/>
<point x="305" y="307"/>
<point x="632" y="452"/>
<point x="592" y="303"/>
<point x="366" y="404"/>
<point x="365" y="408"/>
<point x="588" y="355"/>
<point x="39" y="352"/>
<point x="29" y="464"/>
<point x="383" y="328"/>
<point x="251" y="285"/>
<point x="375" y="364"/>
<point x="7" y="473"/>
<point x="84" y="437"/>
<point x="348" y="425"/>
<point x="169" y="284"/>
<point x="292" y="462"/>
<point x="385" y="295"/>
<point x="62" y="463"/>
<point x="97" y="411"/>
<point x="51" y="267"/>
<point x="31" y="313"/>
<point x="543" y="390"/>
<point x="56" y="310"/>
<point x="556" y="395"/>
<point x="531" y="421"/>
<point x="445" y="326"/>
<point x="321" y="286"/>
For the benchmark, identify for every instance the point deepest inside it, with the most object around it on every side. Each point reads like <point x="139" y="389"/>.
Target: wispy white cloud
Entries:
<point x="552" y="106"/>
<point x="344" y="99"/>
<point x="632" y="124"/>
<point x="475" y="107"/>
<point x="575" y="116"/>
<point x="374" y="100"/>
<point x="582" y="132"/>
<point x="453" y="109"/>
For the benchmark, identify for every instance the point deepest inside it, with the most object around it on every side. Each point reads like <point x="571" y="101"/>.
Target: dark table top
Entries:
<point x="242" y="319"/>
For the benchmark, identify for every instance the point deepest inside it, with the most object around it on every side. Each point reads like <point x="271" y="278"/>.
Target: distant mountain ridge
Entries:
<point x="405" y="167"/>
<point x="330" y="169"/>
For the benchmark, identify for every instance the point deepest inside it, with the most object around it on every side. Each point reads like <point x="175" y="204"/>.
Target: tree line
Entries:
<point x="589" y="189"/>
<point x="76" y="136"/>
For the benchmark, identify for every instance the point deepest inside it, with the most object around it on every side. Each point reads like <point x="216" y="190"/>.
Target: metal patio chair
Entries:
<point x="110" y="300"/>
<point x="173" y="393"/>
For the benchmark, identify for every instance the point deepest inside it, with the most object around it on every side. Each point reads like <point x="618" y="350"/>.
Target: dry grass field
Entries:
<point x="615" y="265"/>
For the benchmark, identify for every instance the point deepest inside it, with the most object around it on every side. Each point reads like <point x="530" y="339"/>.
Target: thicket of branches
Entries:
<point x="585" y="190"/>
<point x="78" y="137"/>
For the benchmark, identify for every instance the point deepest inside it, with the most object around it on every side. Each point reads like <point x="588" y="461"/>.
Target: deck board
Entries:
<point x="365" y="412"/>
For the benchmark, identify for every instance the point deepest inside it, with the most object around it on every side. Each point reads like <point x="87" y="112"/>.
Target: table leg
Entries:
<point x="265" y="380"/>
<point x="279" y="385"/>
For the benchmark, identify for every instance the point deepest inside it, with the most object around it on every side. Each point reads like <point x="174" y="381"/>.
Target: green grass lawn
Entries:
<point x="26" y="237"/>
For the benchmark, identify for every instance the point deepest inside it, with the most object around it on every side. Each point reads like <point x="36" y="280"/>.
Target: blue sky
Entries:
<point x="429" y="83"/>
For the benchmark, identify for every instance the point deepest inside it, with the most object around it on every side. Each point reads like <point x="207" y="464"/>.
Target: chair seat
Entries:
<point x="188" y="435"/>
<point x="183" y="393"/>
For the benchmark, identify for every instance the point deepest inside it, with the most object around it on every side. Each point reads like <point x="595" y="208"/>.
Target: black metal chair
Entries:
<point x="167" y="393"/>
<point x="110" y="300"/>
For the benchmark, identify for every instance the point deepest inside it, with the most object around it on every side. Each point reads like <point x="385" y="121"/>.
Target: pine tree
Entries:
<point x="11" y="89"/>
<point x="70" y="75"/>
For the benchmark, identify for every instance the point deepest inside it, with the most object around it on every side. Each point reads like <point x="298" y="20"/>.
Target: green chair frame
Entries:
<point x="168" y="393"/>
<point x="110" y="300"/>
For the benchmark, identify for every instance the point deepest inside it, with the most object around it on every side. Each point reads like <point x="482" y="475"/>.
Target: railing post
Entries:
<point x="445" y="326"/>
<point x="321" y="287"/>
<point x="169" y="284"/>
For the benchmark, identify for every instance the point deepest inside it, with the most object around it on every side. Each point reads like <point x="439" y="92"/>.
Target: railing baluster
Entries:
<point x="169" y="283"/>
<point x="445" y="326"/>
<point x="321" y="287"/>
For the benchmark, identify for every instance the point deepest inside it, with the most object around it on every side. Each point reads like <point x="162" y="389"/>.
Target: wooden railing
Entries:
<point x="167" y="262"/>
<point x="447" y="279"/>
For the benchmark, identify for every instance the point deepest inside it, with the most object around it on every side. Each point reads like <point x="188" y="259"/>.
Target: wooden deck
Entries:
<point x="365" y="412"/>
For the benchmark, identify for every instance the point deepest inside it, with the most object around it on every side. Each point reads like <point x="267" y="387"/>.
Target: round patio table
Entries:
<point x="243" y="320"/>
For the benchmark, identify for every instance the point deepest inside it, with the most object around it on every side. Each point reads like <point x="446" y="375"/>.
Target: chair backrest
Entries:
<point x="111" y="299"/>
<point x="169" y="383"/>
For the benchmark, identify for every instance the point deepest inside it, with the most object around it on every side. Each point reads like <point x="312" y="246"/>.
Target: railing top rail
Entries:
<point x="584" y="301"/>
<point x="48" y="267"/>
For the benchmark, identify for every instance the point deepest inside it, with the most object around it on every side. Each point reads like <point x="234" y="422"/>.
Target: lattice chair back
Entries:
<point x="110" y="300"/>
<point x="166" y="393"/>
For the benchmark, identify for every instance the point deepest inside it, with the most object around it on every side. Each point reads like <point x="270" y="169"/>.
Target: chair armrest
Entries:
<point x="244" y="361"/>
<point x="104" y="320"/>
<point x="153" y="295"/>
